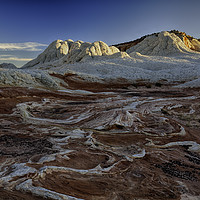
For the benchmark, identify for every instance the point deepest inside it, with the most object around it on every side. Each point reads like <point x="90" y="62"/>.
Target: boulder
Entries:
<point x="28" y="78"/>
<point x="196" y="44"/>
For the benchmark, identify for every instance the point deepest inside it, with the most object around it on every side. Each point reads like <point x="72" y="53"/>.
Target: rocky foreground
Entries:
<point x="100" y="142"/>
<point x="92" y="121"/>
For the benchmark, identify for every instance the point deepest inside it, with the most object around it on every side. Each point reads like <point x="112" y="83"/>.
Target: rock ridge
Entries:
<point x="189" y="41"/>
<point x="70" y="52"/>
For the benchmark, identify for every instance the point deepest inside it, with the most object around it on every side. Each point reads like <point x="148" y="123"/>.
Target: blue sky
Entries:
<point x="26" y="27"/>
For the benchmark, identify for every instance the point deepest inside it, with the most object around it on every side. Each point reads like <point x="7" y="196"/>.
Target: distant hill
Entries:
<point x="157" y="44"/>
<point x="8" y="66"/>
<point x="189" y="41"/>
<point x="170" y="56"/>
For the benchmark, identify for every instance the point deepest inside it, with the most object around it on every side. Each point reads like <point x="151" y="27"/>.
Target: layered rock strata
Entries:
<point x="99" y="142"/>
<point x="72" y="52"/>
<point x="164" y="44"/>
<point x="188" y="40"/>
<point x="86" y="121"/>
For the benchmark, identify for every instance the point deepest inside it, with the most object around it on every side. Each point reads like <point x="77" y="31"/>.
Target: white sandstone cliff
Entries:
<point x="196" y="44"/>
<point x="54" y="51"/>
<point x="71" y="52"/>
<point x="163" y="56"/>
<point x="165" y="44"/>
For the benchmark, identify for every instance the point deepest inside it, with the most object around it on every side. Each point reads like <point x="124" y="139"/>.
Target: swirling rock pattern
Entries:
<point x="99" y="142"/>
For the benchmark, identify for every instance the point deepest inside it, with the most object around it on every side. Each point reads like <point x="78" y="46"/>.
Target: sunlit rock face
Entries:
<point x="98" y="141"/>
<point x="196" y="44"/>
<point x="81" y="51"/>
<point x="54" y="51"/>
<point x="72" y="52"/>
<point x="162" y="45"/>
<point x="188" y="40"/>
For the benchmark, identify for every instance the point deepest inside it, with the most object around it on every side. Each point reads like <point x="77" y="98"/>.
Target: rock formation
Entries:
<point x="7" y="66"/>
<point x="157" y="44"/>
<point x="162" y="45"/>
<point x="188" y="40"/>
<point x="114" y="142"/>
<point x="87" y="121"/>
<point x="196" y="44"/>
<point x="84" y="51"/>
<point x="54" y="51"/>
<point x="28" y="78"/>
<point x="72" y="52"/>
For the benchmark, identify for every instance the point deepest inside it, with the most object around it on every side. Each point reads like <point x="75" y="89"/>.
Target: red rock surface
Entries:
<point x="114" y="143"/>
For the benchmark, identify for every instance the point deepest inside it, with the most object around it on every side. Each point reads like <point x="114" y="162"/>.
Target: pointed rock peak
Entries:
<point x="69" y="40"/>
<point x="79" y="41"/>
<point x="56" y="50"/>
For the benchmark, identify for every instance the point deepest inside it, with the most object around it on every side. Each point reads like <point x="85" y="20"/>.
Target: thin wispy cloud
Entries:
<point x="26" y="46"/>
<point x="5" y="56"/>
<point x="20" y="53"/>
<point x="14" y="59"/>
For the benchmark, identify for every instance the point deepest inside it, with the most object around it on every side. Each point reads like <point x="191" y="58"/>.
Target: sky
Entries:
<point x="28" y="27"/>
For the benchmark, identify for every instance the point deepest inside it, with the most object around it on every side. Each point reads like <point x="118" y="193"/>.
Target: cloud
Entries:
<point x="20" y="53"/>
<point x="26" y="46"/>
<point x="5" y="56"/>
<point x="13" y="58"/>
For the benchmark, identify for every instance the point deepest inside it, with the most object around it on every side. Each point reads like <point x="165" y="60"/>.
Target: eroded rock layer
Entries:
<point x="70" y="52"/>
<point x="96" y="141"/>
<point x="163" y="44"/>
<point x="188" y="40"/>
